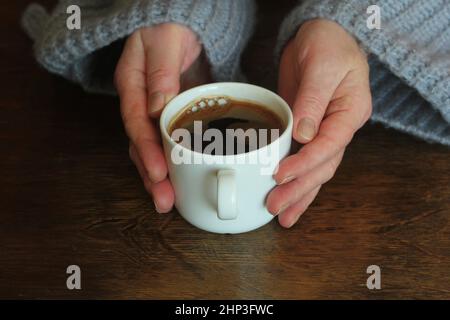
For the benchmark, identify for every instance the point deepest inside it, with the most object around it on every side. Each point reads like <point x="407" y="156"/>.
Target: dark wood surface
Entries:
<point x="70" y="195"/>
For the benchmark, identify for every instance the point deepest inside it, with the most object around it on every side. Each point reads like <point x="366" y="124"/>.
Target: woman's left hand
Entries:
<point x="324" y="76"/>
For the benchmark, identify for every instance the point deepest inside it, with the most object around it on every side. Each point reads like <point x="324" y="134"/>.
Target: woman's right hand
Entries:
<point x="150" y="72"/>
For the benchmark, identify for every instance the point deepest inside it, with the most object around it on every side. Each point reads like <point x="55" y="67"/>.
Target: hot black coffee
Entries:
<point x="243" y="126"/>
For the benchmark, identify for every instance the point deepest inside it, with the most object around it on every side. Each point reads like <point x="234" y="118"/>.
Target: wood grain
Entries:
<point x="70" y="195"/>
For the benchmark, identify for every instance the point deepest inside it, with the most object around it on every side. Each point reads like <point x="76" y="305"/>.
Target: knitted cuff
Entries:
<point x="409" y="43"/>
<point x="223" y="28"/>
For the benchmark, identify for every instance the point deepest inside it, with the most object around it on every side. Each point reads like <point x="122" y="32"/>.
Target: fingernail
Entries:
<point x="286" y="180"/>
<point x="291" y="223"/>
<point x="156" y="207"/>
<point x="306" y="129"/>
<point x="284" y="207"/>
<point x="156" y="102"/>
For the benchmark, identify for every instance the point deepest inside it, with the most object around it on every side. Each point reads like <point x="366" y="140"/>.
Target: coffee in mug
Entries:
<point x="216" y="189"/>
<point x="244" y="125"/>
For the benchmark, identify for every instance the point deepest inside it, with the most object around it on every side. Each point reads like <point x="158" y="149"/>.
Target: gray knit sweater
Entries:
<point x="409" y="56"/>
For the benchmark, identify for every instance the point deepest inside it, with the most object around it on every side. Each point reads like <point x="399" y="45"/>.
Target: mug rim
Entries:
<point x="166" y="136"/>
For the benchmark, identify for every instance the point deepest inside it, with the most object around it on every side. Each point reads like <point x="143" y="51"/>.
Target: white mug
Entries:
<point x="226" y="193"/>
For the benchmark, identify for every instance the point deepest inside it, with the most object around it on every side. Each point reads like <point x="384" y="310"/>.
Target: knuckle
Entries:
<point x="333" y="143"/>
<point x="164" y="79"/>
<point x="331" y="169"/>
<point x="312" y="103"/>
<point x="309" y="155"/>
<point x="345" y="103"/>
<point x="156" y="75"/>
<point x="307" y="183"/>
<point x="142" y="141"/>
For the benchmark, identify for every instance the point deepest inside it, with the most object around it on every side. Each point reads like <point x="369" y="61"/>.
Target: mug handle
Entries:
<point x="226" y="195"/>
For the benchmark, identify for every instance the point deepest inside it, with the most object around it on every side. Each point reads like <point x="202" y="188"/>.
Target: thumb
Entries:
<point x="164" y="62"/>
<point x="315" y="91"/>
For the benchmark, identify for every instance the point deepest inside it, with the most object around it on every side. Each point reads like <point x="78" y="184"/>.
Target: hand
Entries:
<point x="324" y="76"/>
<point x="154" y="64"/>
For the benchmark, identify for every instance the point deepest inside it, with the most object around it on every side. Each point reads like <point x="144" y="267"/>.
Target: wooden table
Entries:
<point x="70" y="195"/>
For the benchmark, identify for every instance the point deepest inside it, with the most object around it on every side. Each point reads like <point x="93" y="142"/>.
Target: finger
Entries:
<point x="165" y="56"/>
<point x="344" y="117"/>
<point x="162" y="192"/>
<point x="130" y="83"/>
<point x="318" y="79"/>
<point x="282" y="197"/>
<point x="289" y="217"/>
<point x="163" y="196"/>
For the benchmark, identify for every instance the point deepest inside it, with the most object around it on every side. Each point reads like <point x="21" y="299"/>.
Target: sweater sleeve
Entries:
<point x="409" y="58"/>
<point x="88" y="56"/>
